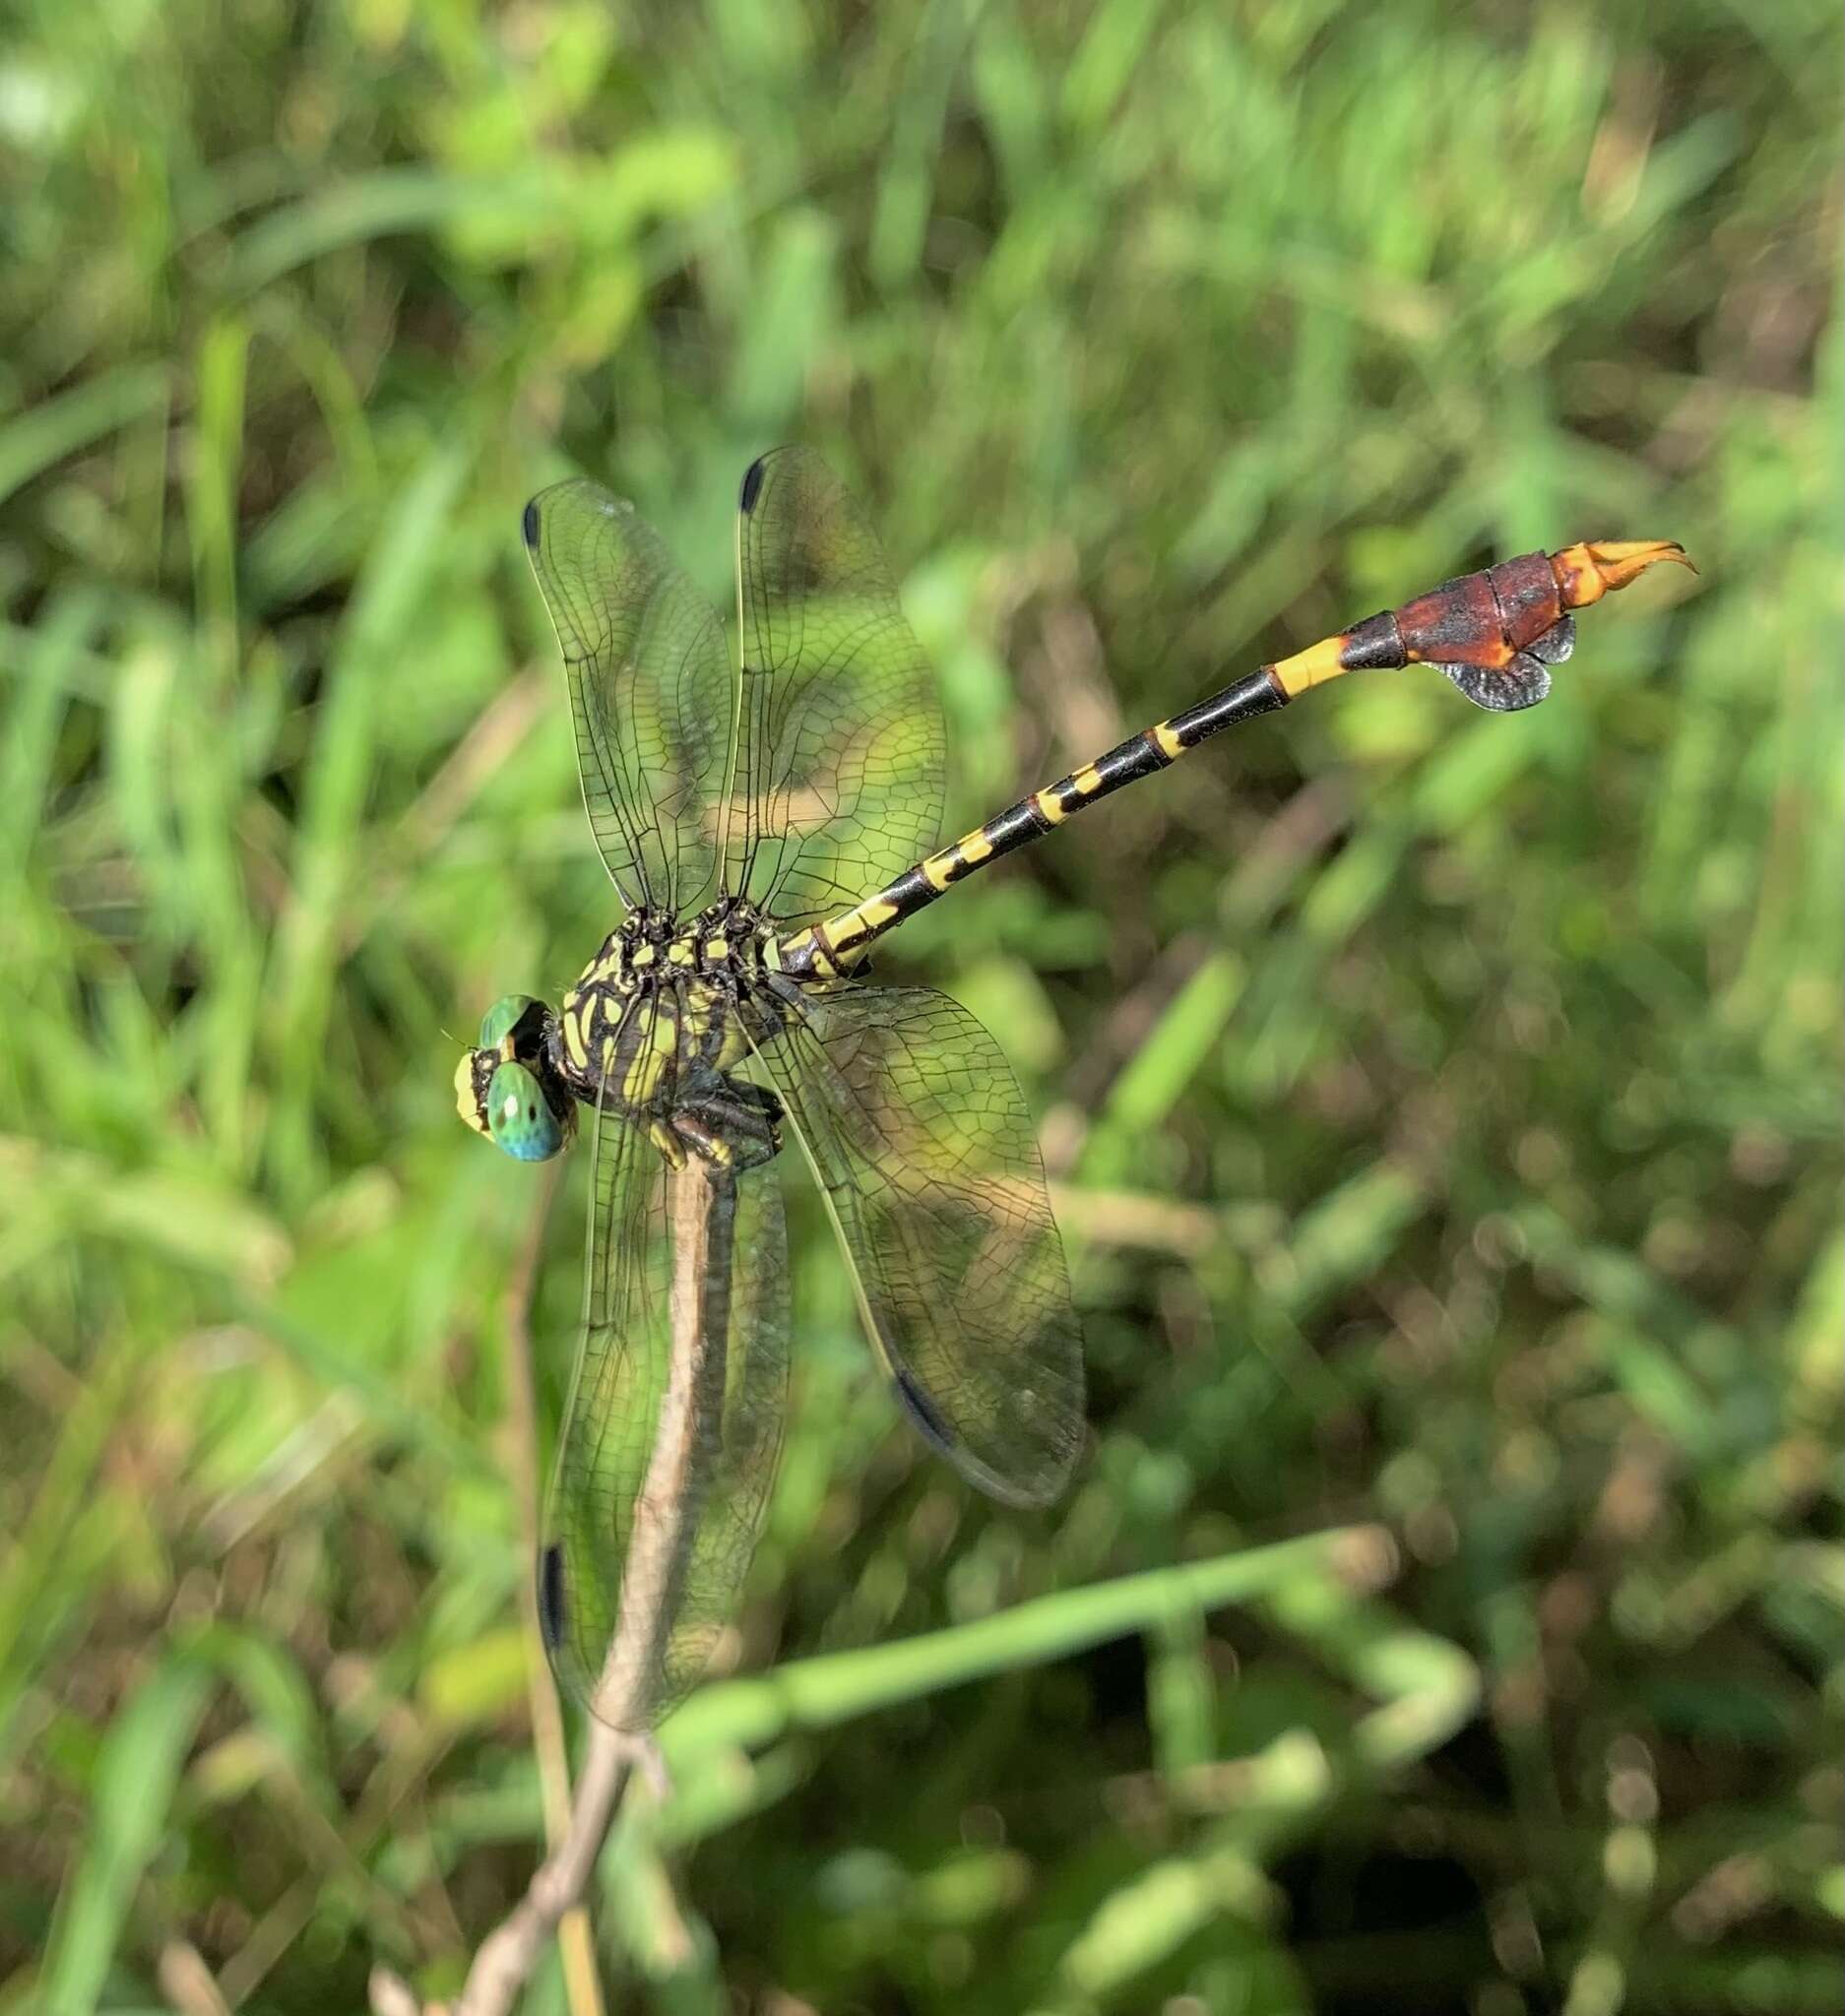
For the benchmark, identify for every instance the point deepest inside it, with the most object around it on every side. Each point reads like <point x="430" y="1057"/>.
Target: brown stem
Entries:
<point x="701" y="1207"/>
<point x="688" y="1439"/>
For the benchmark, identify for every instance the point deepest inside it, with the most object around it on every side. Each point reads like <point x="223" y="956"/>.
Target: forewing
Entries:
<point x="660" y="1577"/>
<point x="920" y="1137"/>
<point x="650" y="690"/>
<point x="840" y="746"/>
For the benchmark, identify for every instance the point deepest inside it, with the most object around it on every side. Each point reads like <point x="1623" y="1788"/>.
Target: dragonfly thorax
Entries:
<point x="725" y="941"/>
<point x="657" y="1022"/>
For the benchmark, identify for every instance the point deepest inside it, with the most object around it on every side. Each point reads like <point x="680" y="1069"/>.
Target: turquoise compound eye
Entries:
<point x="518" y="1116"/>
<point x="500" y="1017"/>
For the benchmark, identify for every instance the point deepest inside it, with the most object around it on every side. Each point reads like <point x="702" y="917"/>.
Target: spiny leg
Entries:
<point x="734" y="1125"/>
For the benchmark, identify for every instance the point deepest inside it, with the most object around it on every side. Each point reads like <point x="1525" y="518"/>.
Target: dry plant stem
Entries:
<point x="701" y="1211"/>
<point x="702" y="1217"/>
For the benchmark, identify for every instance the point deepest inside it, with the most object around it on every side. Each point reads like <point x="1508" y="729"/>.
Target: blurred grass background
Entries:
<point x="1444" y="1110"/>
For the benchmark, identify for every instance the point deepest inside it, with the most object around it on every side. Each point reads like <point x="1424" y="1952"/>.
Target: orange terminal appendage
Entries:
<point x="1496" y="632"/>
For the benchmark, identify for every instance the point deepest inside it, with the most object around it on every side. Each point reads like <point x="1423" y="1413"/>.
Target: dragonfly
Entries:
<point x="766" y="817"/>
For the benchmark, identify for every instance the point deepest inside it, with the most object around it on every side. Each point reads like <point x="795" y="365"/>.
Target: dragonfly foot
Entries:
<point x="735" y="1127"/>
<point x="666" y="1136"/>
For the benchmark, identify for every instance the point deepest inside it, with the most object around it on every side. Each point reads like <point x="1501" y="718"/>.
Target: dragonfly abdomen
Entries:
<point x="1494" y="633"/>
<point x="1482" y="618"/>
<point x="827" y="949"/>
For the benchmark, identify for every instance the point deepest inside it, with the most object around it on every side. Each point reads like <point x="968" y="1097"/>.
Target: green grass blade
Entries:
<point x="33" y="441"/>
<point x="137" y="1774"/>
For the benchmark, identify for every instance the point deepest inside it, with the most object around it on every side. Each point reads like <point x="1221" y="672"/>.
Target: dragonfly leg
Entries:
<point x="736" y="1125"/>
<point x="665" y="1136"/>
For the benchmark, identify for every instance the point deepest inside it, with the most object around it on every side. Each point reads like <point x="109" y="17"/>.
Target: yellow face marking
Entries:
<point x="1051" y="805"/>
<point x="1087" y="781"/>
<point x="1167" y="742"/>
<point x="465" y="1094"/>
<point x="975" y="847"/>
<point x="1313" y="667"/>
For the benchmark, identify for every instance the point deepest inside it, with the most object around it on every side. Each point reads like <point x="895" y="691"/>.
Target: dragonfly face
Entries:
<point x="505" y="1087"/>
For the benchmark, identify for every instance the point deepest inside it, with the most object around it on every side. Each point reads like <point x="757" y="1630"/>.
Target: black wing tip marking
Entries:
<point x="551" y="1598"/>
<point x="753" y="484"/>
<point x="925" y="1413"/>
<point x="529" y="525"/>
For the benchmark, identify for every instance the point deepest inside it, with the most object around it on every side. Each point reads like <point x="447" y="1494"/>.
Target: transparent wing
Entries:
<point x="661" y="1479"/>
<point x="838" y="771"/>
<point x="919" y="1135"/>
<point x="650" y="690"/>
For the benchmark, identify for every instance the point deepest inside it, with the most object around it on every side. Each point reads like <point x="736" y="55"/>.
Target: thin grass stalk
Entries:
<point x="701" y="1206"/>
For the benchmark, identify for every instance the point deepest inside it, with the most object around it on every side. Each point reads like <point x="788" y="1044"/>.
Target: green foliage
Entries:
<point x="1444" y="1110"/>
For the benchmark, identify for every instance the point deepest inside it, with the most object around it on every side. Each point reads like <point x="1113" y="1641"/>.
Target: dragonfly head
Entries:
<point x="505" y="1086"/>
